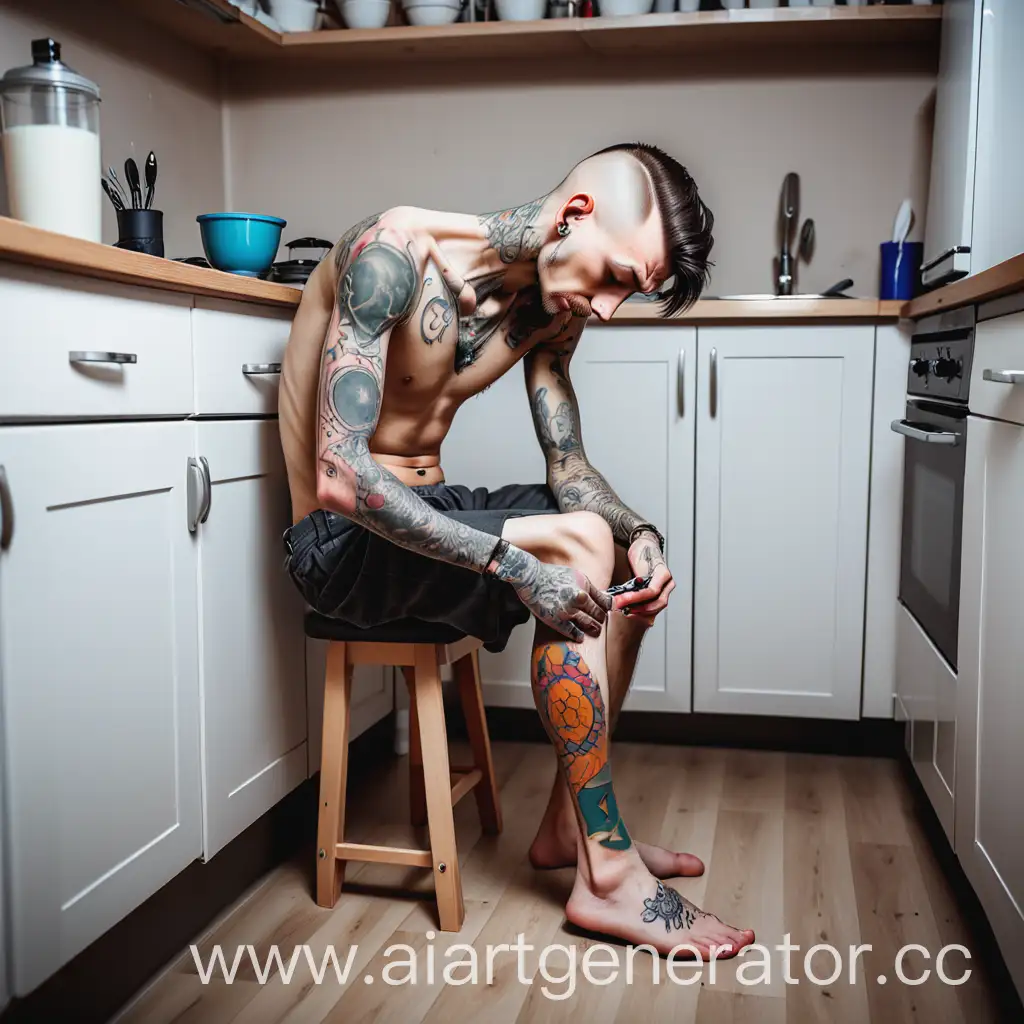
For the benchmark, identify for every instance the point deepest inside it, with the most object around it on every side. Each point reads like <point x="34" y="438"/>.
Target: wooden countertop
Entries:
<point x="1003" y="279"/>
<point x="20" y="243"/>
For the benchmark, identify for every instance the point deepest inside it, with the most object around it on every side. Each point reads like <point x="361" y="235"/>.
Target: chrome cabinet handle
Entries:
<point x="1003" y="376"/>
<point x="250" y="369"/>
<point x="102" y="357"/>
<point x="199" y="494"/>
<point x="681" y="383"/>
<point x="929" y="436"/>
<point x="713" y="385"/>
<point x="6" y="512"/>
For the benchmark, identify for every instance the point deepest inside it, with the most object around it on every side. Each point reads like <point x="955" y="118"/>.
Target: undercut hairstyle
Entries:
<point x="687" y="222"/>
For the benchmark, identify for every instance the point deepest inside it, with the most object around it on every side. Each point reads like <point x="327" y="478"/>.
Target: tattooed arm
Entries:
<point x="577" y="485"/>
<point x="377" y="291"/>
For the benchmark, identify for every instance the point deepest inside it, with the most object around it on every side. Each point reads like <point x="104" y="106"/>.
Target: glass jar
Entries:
<point x="51" y="141"/>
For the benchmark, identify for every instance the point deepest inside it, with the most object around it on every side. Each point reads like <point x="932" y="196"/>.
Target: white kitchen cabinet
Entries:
<point x="99" y="669"/>
<point x="251" y="643"/>
<point x="783" y="445"/>
<point x="989" y="831"/>
<point x="636" y="393"/>
<point x="998" y="198"/>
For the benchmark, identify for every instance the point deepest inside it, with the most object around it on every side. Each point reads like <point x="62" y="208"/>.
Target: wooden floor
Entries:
<point x="826" y="848"/>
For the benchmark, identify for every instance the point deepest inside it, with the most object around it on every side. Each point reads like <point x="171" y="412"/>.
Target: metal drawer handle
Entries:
<point x="249" y="369"/>
<point x="6" y="512"/>
<point x="102" y="357"/>
<point x="681" y="382"/>
<point x="199" y="492"/>
<point x="929" y="436"/>
<point x="1004" y="376"/>
<point x="713" y="385"/>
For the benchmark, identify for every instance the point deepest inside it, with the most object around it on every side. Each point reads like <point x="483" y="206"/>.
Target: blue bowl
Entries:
<point x="240" y="243"/>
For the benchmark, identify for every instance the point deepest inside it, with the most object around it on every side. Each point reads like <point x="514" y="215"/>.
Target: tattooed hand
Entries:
<point x="560" y="596"/>
<point x="646" y="559"/>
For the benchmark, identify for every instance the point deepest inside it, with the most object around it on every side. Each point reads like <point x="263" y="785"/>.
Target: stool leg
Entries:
<point x="330" y="871"/>
<point x="438" y="786"/>
<point x="417" y="796"/>
<point x="467" y="674"/>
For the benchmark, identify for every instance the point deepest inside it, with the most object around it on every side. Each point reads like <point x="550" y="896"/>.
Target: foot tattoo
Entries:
<point x="668" y="906"/>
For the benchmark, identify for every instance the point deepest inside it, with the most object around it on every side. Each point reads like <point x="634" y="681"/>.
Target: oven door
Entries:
<point x="933" y="501"/>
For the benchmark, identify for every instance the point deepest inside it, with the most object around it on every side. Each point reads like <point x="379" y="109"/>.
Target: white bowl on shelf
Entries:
<point x="521" y="10"/>
<point x="624" y="8"/>
<point x="432" y="12"/>
<point x="294" y="15"/>
<point x="365" y="13"/>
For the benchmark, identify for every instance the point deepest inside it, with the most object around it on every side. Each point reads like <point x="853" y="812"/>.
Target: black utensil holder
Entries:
<point x="141" y="231"/>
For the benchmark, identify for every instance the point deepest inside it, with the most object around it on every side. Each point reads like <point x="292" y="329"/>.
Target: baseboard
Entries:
<point x="875" y="737"/>
<point x="87" y="990"/>
<point x="985" y="949"/>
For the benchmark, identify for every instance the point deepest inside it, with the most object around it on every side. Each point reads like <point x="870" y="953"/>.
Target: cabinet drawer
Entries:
<point x="238" y="358"/>
<point x="48" y="318"/>
<point x="999" y="348"/>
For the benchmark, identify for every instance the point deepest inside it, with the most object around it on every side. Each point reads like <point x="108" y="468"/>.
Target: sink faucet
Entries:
<point x="788" y="202"/>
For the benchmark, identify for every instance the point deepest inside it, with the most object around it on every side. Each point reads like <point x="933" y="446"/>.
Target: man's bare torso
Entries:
<point x="437" y="357"/>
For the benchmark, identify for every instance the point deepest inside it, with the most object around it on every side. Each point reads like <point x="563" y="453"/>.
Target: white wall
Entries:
<point x="323" y="146"/>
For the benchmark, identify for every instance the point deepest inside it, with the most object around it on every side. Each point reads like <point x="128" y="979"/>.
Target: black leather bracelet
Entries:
<point x="497" y="555"/>
<point x="646" y="528"/>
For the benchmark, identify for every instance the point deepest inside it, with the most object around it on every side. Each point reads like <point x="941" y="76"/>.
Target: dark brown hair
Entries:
<point x="687" y="221"/>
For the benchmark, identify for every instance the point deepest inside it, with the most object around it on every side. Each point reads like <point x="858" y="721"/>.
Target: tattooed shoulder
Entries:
<point x="378" y="288"/>
<point x="347" y="240"/>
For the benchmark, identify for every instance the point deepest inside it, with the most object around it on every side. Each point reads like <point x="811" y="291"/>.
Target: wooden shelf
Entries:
<point x="217" y="26"/>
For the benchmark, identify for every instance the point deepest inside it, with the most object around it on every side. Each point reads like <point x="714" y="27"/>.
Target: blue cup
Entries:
<point x="901" y="270"/>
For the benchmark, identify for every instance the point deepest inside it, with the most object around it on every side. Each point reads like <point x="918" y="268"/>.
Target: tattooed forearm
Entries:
<point x="576" y="484"/>
<point x="570" y="703"/>
<point x="514" y="233"/>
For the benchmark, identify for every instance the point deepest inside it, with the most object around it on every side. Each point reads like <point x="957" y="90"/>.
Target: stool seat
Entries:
<point x="399" y="631"/>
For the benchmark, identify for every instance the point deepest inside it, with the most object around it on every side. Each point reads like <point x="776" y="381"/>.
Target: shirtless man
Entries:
<point x="416" y="311"/>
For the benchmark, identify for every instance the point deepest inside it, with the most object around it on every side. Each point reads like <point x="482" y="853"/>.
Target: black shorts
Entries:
<point x="350" y="573"/>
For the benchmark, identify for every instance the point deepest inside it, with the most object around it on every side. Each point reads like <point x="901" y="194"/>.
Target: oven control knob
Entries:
<point x="921" y="367"/>
<point x="949" y="369"/>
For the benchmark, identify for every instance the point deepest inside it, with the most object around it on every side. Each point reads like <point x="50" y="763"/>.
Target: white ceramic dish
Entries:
<point x="520" y="10"/>
<point x="624" y="8"/>
<point x="294" y="15"/>
<point x="365" y="13"/>
<point x="432" y="13"/>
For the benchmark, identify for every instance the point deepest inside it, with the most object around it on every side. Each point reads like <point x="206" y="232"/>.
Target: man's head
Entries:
<point x="626" y="219"/>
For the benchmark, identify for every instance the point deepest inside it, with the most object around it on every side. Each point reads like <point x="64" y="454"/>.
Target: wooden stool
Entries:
<point x="420" y="648"/>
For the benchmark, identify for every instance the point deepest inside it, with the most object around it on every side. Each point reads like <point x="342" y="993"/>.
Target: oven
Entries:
<point x="935" y="429"/>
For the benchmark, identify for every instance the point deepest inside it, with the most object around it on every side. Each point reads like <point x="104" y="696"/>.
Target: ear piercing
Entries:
<point x="563" y="229"/>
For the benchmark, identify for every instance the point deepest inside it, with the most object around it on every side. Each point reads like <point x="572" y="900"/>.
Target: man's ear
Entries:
<point x="576" y="207"/>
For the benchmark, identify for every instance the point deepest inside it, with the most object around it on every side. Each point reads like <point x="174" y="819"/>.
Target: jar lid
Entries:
<point x="47" y="69"/>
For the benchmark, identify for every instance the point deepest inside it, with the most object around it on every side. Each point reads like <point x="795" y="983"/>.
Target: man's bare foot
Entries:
<point x="640" y="909"/>
<point x="555" y="847"/>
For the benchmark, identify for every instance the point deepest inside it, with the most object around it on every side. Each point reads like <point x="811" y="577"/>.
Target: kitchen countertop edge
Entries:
<point x="22" y="243"/>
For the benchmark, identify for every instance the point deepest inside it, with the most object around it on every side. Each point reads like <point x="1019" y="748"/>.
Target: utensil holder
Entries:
<point x="900" y="270"/>
<point x="141" y="231"/>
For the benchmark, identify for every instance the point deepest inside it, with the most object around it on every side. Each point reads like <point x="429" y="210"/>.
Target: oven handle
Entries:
<point x="930" y="436"/>
<point x="1003" y="376"/>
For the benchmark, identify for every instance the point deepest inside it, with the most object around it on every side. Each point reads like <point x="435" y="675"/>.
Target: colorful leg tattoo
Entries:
<point x="570" y="699"/>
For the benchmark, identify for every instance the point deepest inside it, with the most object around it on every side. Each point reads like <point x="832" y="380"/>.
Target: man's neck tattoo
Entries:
<point x="514" y="234"/>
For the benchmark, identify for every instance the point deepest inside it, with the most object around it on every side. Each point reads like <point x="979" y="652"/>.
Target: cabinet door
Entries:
<point x="636" y="392"/>
<point x="252" y="657"/>
<point x="989" y="834"/>
<point x="998" y="197"/>
<point x="98" y="640"/>
<point x="783" y="443"/>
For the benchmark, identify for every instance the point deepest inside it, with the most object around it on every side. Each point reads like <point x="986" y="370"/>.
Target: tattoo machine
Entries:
<point x="628" y="587"/>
